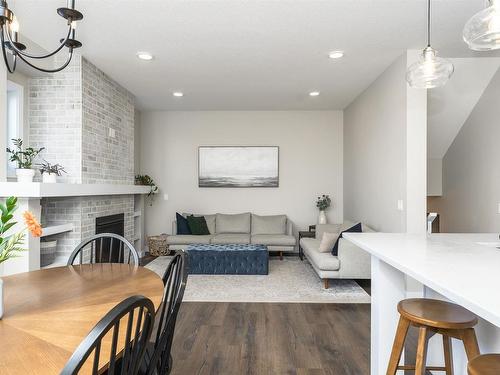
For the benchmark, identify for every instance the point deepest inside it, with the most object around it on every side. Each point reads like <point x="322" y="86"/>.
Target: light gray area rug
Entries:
<point x="289" y="280"/>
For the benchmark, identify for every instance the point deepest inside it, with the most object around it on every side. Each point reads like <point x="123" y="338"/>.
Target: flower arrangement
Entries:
<point x="323" y="202"/>
<point x="23" y="156"/>
<point x="10" y="246"/>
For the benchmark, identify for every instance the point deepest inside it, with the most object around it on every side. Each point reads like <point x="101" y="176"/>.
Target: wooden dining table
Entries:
<point x="49" y="312"/>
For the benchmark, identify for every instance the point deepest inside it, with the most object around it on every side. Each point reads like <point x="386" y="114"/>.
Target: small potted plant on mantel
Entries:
<point x="147" y="181"/>
<point x="23" y="157"/>
<point x="50" y="172"/>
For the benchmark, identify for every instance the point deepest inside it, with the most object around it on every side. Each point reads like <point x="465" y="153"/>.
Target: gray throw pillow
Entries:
<point x="239" y="223"/>
<point x="272" y="224"/>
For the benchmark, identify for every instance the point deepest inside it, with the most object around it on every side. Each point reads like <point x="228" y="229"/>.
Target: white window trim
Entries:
<point x="12" y="86"/>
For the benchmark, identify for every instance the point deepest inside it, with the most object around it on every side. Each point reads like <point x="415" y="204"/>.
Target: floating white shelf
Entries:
<point x="56" y="229"/>
<point x="40" y="190"/>
<point x="60" y="261"/>
<point x="137" y="213"/>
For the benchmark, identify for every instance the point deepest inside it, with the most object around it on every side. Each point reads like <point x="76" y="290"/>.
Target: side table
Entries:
<point x="304" y="234"/>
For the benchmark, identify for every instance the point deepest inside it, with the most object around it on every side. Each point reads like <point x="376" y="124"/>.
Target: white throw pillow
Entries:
<point x="327" y="242"/>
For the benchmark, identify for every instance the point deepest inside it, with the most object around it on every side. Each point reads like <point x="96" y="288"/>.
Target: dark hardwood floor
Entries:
<point x="271" y="338"/>
<point x="146" y="259"/>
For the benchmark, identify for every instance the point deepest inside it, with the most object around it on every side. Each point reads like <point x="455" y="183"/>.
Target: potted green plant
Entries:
<point x="11" y="244"/>
<point x="323" y="202"/>
<point x="23" y="157"/>
<point x="147" y="181"/>
<point x="50" y="172"/>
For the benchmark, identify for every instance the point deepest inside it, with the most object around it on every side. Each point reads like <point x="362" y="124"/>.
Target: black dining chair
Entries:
<point x="158" y="359"/>
<point x="140" y="313"/>
<point x="104" y="248"/>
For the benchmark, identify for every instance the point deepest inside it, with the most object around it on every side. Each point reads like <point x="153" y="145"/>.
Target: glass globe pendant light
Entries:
<point x="430" y="71"/>
<point x="482" y="31"/>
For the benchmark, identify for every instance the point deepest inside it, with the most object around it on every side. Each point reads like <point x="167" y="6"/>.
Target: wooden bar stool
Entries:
<point x="430" y="317"/>
<point x="487" y="364"/>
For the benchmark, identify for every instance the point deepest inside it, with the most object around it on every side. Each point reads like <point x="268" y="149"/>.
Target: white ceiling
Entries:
<point x="450" y="106"/>
<point x="251" y="54"/>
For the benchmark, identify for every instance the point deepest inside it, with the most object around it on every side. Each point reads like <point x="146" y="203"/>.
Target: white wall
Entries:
<point x="434" y="177"/>
<point x="23" y="80"/>
<point x="374" y="152"/>
<point x="451" y="104"/>
<point x="471" y="170"/>
<point x="385" y="153"/>
<point x="3" y="122"/>
<point x="310" y="162"/>
<point x="416" y="154"/>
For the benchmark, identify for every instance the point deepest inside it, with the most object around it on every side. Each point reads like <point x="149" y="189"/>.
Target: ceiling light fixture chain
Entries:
<point x="9" y="37"/>
<point x="428" y="23"/>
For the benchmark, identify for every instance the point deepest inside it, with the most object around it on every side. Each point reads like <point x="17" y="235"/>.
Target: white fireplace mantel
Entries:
<point x="40" y="190"/>
<point x="30" y="195"/>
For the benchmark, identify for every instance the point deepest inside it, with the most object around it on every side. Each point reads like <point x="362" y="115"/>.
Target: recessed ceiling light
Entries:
<point x="314" y="93"/>
<point x="145" y="56"/>
<point x="178" y="94"/>
<point x="336" y="54"/>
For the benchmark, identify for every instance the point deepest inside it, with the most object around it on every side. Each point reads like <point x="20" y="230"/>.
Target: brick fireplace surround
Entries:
<point x="85" y="122"/>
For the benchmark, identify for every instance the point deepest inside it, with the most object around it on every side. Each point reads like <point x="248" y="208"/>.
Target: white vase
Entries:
<point x="49" y="178"/>
<point x="322" y="217"/>
<point x="25" y="175"/>
<point x="1" y="298"/>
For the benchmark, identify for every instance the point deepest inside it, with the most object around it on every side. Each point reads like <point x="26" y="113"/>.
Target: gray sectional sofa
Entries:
<point x="276" y="232"/>
<point x="350" y="263"/>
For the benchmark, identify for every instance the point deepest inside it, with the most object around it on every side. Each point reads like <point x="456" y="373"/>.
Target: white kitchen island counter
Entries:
<point x="463" y="268"/>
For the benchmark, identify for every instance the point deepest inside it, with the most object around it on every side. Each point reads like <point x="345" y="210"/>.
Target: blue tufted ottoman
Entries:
<point x="231" y="259"/>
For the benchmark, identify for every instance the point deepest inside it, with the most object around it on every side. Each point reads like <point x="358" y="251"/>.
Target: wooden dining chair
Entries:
<point x="104" y="248"/>
<point x="158" y="359"/>
<point x="139" y="326"/>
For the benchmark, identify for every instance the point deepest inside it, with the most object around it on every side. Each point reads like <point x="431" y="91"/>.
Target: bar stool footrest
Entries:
<point x="428" y="368"/>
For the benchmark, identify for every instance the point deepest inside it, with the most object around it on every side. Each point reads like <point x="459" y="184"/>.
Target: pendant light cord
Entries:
<point x="428" y="23"/>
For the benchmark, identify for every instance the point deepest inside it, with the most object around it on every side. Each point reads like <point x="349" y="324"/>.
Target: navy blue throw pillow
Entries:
<point x="354" y="228"/>
<point x="182" y="224"/>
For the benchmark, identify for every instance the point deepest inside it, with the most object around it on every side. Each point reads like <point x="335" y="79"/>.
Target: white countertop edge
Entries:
<point x="443" y="290"/>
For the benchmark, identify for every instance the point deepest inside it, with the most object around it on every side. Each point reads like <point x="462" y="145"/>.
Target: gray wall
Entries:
<point x="137" y="142"/>
<point x="106" y="105"/>
<point x="71" y="113"/>
<point x="310" y="162"/>
<point x="55" y="118"/>
<point x="375" y="152"/>
<point x="471" y="170"/>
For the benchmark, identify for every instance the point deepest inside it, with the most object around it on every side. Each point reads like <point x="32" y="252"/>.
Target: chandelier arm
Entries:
<point x="28" y="55"/>
<point x="4" y="53"/>
<point x="70" y="56"/>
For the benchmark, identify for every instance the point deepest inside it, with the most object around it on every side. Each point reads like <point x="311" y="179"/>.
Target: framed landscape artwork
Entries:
<point x="238" y="166"/>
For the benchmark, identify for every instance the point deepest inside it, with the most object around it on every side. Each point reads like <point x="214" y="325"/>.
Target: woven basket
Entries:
<point x="158" y="245"/>
<point x="47" y="252"/>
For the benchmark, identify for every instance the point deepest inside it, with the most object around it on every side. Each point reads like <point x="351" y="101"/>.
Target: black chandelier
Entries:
<point x="9" y="30"/>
